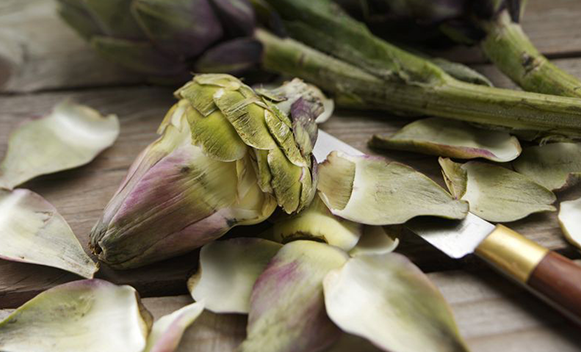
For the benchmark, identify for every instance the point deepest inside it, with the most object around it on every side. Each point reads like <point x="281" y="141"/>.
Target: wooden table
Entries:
<point x="43" y="62"/>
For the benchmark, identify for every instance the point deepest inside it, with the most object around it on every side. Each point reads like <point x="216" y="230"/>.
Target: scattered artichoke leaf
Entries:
<point x="451" y="138"/>
<point x="455" y="177"/>
<point x="498" y="194"/>
<point x="86" y="315"/>
<point x="374" y="191"/>
<point x="227" y="272"/>
<point x="377" y="240"/>
<point x="168" y="330"/>
<point x="555" y="166"/>
<point x="316" y="222"/>
<point x="32" y="231"/>
<point x="569" y="215"/>
<point x="287" y="310"/>
<point x="70" y="136"/>
<point x="386" y="299"/>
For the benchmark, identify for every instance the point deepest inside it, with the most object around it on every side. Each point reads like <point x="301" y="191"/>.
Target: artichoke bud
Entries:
<point x="227" y="156"/>
<point x="165" y="38"/>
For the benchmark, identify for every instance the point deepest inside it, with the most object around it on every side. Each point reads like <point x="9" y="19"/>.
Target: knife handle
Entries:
<point x="554" y="277"/>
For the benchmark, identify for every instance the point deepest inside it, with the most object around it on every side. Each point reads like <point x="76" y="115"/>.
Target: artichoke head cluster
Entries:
<point x="227" y="156"/>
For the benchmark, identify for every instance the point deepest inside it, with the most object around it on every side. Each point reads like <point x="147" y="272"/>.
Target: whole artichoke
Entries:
<point x="161" y="38"/>
<point x="493" y="24"/>
<point x="227" y="156"/>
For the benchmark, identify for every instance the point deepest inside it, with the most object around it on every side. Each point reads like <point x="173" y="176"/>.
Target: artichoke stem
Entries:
<point x="356" y="88"/>
<point x="509" y="48"/>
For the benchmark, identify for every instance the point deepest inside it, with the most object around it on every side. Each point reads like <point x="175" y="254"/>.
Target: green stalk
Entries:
<point x="509" y="48"/>
<point x="446" y="97"/>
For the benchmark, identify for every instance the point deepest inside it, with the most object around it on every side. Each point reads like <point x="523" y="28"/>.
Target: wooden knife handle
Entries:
<point x="558" y="279"/>
<point x="548" y="274"/>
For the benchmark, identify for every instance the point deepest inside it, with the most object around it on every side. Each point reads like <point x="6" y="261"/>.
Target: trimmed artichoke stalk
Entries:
<point x="227" y="156"/>
<point x="493" y="24"/>
<point x="389" y="79"/>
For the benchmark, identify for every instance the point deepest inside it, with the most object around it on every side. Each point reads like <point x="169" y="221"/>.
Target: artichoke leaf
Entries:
<point x="316" y="222"/>
<point x="497" y="194"/>
<point x="247" y="117"/>
<point x="555" y="166"/>
<point x="285" y="138"/>
<point x="287" y="310"/>
<point x="70" y="136"/>
<point x="377" y="240"/>
<point x="168" y="330"/>
<point x="227" y="272"/>
<point x="378" y="192"/>
<point x="569" y="215"/>
<point x="86" y="315"/>
<point x="286" y="180"/>
<point x="450" y="138"/>
<point x="34" y="232"/>
<point x="215" y="135"/>
<point x="386" y="299"/>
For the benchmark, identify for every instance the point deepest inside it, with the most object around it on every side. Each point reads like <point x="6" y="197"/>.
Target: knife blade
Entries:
<point x="549" y="275"/>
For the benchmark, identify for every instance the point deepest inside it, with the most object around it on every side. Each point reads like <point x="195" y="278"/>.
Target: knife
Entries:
<point x="549" y="275"/>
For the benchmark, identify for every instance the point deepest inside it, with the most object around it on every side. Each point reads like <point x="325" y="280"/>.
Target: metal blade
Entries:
<point x="456" y="238"/>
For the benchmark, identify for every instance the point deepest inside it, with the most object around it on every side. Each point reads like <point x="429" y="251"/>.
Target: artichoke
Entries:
<point x="161" y="38"/>
<point x="341" y="56"/>
<point x="227" y="156"/>
<point x="494" y="24"/>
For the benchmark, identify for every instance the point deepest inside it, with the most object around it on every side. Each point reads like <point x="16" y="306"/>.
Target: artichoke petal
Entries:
<point x="34" y="232"/>
<point x="70" y="136"/>
<point x="287" y="310"/>
<point x="569" y="215"/>
<point x="227" y="272"/>
<point x="555" y="166"/>
<point x="286" y="180"/>
<point x="450" y="138"/>
<point x="497" y="194"/>
<point x="86" y="315"/>
<point x="167" y="332"/>
<point x="373" y="191"/>
<point x="388" y="300"/>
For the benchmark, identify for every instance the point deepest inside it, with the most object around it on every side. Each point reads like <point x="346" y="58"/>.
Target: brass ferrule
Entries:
<point x="511" y="253"/>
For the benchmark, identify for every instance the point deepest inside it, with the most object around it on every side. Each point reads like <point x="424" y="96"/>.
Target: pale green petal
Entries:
<point x="377" y="240"/>
<point x="287" y="311"/>
<point x="570" y="221"/>
<point x="554" y="166"/>
<point x="215" y="135"/>
<point x="286" y="180"/>
<point x="87" y="315"/>
<point x="71" y="136"/>
<point x="228" y="271"/>
<point x="317" y="223"/>
<point x="284" y="137"/>
<point x="499" y="195"/>
<point x="455" y="177"/>
<point x="389" y="301"/>
<point x="32" y="231"/>
<point x="451" y="138"/>
<point x="382" y="192"/>
<point x="167" y="332"/>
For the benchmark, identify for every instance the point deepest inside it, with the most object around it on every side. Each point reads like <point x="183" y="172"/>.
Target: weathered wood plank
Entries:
<point x="39" y="52"/>
<point x="81" y="194"/>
